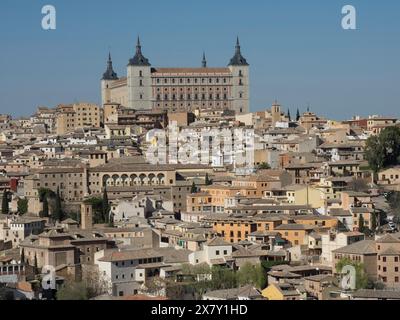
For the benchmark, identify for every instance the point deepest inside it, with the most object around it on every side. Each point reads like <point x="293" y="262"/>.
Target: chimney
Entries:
<point x="86" y="216"/>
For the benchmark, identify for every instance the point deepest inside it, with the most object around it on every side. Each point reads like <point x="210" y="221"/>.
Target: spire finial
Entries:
<point x="139" y="59"/>
<point x="238" y="59"/>
<point x="110" y="74"/>
<point x="204" y="62"/>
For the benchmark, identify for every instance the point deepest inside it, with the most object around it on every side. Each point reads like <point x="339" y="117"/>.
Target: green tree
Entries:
<point x="98" y="209"/>
<point x="22" y="206"/>
<point x="223" y="278"/>
<point x="362" y="280"/>
<point x="73" y="291"/>
<point x="390" y="139"/>
<point x="264" y="166"/>
<point x="252" y="274"/>
<point x="35" y="264"/>
<point x="298" y="115"/>
<point x="4" y="204"/>
<point x="6" y="294"/>
<point x="106" y="207"/>
<point x="384" y="150"/>
<point x="208" y="181"/>
<point x="45" y="211"/>
<point x="374" y="154"/>
<point x="58" y="212"/>
<point x="361" y="226"/>
<point x="22" y="258"/>
<point x="111" y="221"/>
<point x="194" y="188"/>
<point x="373" y="221"/>
<point x="46" y="192"/>
<point x="394" y="203"/>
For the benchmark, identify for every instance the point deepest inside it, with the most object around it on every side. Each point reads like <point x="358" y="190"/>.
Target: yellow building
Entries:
<point x="71" y="117"/>
<point x="307" y="195"/>
<point x="296" y="234"/>
<point x="281" y="291"/>
<point x="231" y="229"/>
<point x="318" y="221"/>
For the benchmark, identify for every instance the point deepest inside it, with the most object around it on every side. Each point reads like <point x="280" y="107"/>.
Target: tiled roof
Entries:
<point x="388" y="238"/>
<point x="360" y="247"/>
<point x="217" y="242"/>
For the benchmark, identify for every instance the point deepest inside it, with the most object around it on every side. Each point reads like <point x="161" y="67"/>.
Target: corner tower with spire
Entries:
<point x="139" y="83"/>
<point x="204" y="61"/>
<point x="240" y="77"/>
<point x="108" y="78"/>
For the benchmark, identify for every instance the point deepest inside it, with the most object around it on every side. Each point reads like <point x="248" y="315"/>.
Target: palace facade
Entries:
<point x="179" y="89"/>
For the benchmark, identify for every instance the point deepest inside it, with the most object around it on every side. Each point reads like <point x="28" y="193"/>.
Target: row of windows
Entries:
<point x="62" y="175"/>
<point x="384" y="259"/>
<point x="195" y="89"/>
<point x="384" y="279"/>
<point x="189" y="97"/>
<point x="217" y="252"/>
<point x="391" y="176"/>
<point x="384" y="269"/>
<point x="240" y="82"/>
<point x="231" y="224"/>
<point x="141" y="261"/>
<point x="189" y="105"/>
<point x="238" y="233"/>
<point x="190" y="80"/>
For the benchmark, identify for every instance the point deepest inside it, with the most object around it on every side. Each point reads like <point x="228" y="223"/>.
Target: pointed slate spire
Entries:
<point x="204" y="62"/>
<point x="238" y="59"/>
<point x="110" y="74"/>
<point x="139" y="59"/>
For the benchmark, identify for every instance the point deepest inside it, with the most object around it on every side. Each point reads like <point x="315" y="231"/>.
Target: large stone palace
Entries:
<point x="178" y="89"/>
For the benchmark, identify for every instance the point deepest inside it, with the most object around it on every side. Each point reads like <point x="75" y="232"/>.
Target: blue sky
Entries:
<point x="298" y="52"/>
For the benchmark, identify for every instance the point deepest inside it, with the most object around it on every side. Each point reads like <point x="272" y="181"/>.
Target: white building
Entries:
<point x="125" y="272"/>
<point x="332" y="241"/>
<point x="215" y="251"/>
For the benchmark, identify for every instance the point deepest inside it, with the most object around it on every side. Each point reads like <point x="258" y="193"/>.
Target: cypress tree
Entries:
<point x="22" y="255"/>
<point x="373" y="221"/>
<point x="288" y="115"/>
<point x="35" y="264"/>
<point x="58" y="214"/>
<point x="361" y="223"/>
<point x="208" y="181"/>
<point x="111" y="221"/>
<point x="298" y="115"/>
<point x="45" y="211"/>
<point x="4" y="204"/>
<point x="106" y="207"/>
<point x="194" y="188"/>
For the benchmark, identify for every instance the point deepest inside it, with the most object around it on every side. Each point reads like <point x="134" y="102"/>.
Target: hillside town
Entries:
<point x="95" y="206"/>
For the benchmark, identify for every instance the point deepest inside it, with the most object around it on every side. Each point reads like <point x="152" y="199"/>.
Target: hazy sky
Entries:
<point x="298" y="52"/>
